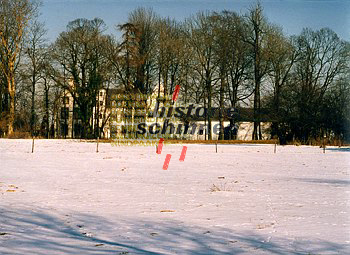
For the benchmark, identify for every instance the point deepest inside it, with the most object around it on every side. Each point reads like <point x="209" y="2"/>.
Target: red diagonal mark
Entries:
<point x="166" y="161"/>
<point x="176" y="92"/>
<point x="161" y="140"/>
<point x="183" y="153"/>
<point x="160" y="146"/>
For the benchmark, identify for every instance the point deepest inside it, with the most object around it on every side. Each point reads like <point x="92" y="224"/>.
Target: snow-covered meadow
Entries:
<point x="67" y="199"/>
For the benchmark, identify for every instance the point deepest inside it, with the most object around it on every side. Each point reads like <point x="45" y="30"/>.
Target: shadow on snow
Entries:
<point x="39" y="232"/>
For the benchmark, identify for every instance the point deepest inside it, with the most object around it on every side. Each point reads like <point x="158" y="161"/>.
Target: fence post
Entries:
<point x="33" y="145"/>
<point x="98" y="139"/>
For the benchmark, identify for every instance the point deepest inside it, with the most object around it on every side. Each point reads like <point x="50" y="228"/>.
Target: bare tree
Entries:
<point x="322" y="60"/>
<point x="256" y="36"/>
<point x="232" y="60"/>
<point x="239" y="60"/>
<point x="14" y="18"/>
<point x="282" y="56"/>
<point x="144" y="21"/>
<point x="170" y="53"/>
<point x="35" y="52"/>
<point x="81" y="53"/>
<point x="201" y="38"/>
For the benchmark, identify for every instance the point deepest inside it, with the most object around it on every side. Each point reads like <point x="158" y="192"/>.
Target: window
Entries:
<point x="101" y="103"/>
<point x="101" y="93"/>
<point x="66" y="100"/>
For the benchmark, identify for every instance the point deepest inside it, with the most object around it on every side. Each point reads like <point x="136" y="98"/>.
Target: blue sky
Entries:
<point x="292" y="15"/>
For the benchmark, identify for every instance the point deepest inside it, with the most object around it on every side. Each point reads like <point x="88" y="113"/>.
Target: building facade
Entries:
<point x="117" y="115"/>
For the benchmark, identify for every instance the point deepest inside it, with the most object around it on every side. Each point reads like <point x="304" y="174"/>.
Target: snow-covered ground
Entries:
<point x="67" y="199"/>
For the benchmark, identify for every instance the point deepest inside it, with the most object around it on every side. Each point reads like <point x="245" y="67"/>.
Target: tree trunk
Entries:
<point x="209" y="110"/>
<point x="221" y="115"/>
<point x="32" y="116"/>
<point x="257" y="78"/>
<point x="47" y="113"/>
<point x="11" y="90"/>
<point x="256" y="111"/>
<point x="72" y="131"/>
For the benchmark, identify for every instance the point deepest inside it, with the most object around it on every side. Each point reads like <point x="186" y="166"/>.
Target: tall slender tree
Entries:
<point x="201" y="38"/>
<point x="256" y="36"/>
<point x="14" y="19"/>
<point x="35" y="53"/>
<point x="282" y="56"/>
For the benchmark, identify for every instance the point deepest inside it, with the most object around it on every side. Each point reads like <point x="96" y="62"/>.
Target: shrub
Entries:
<point x="221" y="187"/>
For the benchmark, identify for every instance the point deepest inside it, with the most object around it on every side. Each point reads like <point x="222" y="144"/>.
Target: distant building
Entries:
<point x="117" y="115"/>
<point x="68" y="122"/>
<point x="240" y="127"/>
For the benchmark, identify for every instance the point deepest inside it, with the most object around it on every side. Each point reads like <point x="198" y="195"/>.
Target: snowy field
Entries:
<point x="67" y="199"/>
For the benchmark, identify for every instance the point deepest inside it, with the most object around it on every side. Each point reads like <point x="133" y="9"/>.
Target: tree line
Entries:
<point x="220" y="59"/>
